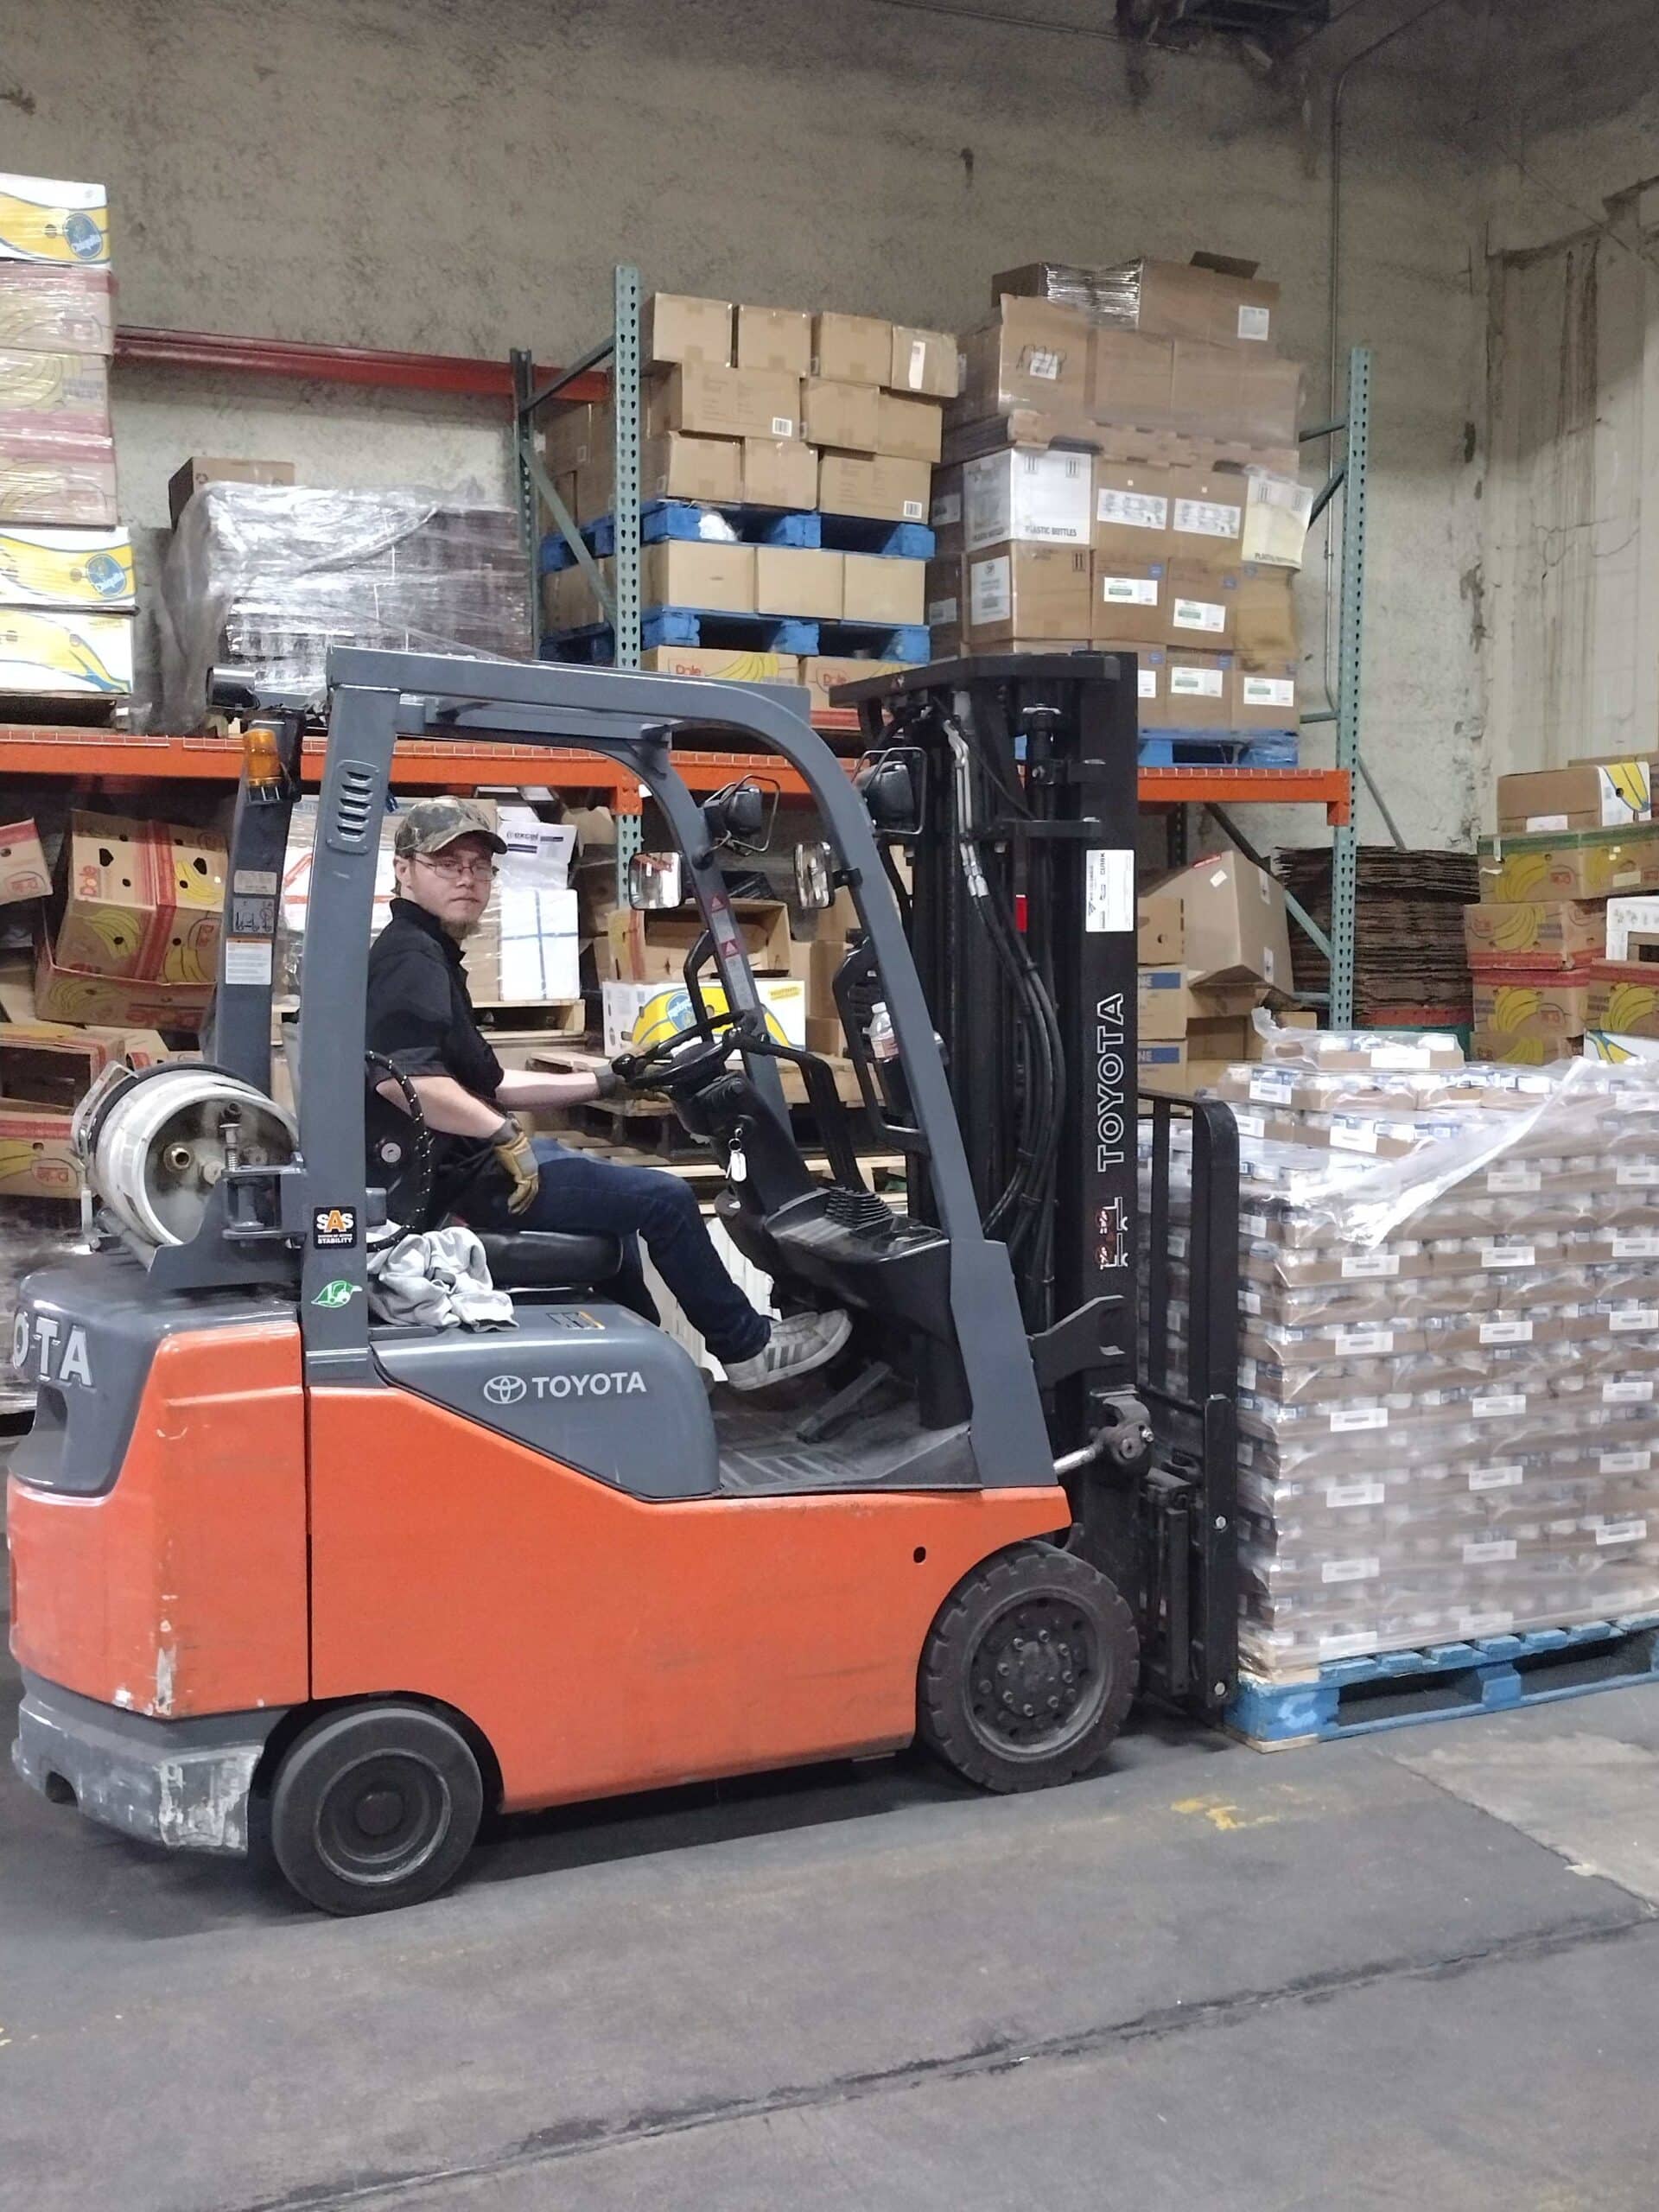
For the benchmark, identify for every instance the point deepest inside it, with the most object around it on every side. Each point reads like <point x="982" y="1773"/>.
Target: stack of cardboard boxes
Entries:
<point x="1563" y="941"/>
<point x="66" y="569"/>
<point x="1120" y="471"/>
<point x="770" y="408"/>
<point x="1212" y="945"/>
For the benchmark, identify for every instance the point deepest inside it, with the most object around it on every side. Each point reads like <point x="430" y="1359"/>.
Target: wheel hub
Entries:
<point x="1036" y="1679"/>
<point x="382" y="1817"/>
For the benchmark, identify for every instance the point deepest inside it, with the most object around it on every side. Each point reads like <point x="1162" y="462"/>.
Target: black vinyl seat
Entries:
<point x="548" y="1259"/>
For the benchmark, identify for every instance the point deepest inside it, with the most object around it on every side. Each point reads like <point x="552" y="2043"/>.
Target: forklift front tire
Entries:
<point x="1028" y="1671"/>
<point x="374" y="1807"/>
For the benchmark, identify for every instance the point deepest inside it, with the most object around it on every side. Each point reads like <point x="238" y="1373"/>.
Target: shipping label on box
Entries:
<point x="845" y="416"/>
<point x="1195" y="690"/>
<point x="1129" y="601"/>
<point x="922" y="362"/>
<point x="142" y="899"/>
<point x="799" y="579"/>
<point x="1584" y="796"/>
<point x="1265" y="697"/>
<point x="1200" y="607"/>
<point x="1132" y="510"/>
<point x="66" y="568"/>
<point x="689" y="572"/>
<point x="886" y="490"/>
<point x="852" y="348"/>
<point x="1036" y="355"/>
<point x="882" y="587"/>
<point x="780" y="472"/>
<point x="1277" y="509"/>
<point x="1027" y="499"/>
<point x="51" y="653"/>
<point x="52" y="219"/>
<point x="1207" y="515"/>
<point x="678" y="328"/>
<point x="775" y="337"/>
<point x="47" y="309"/>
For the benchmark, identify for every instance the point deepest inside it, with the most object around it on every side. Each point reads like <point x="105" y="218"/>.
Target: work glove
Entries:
<point x="625" y="1069"/>
<point x="512" y="1149"/>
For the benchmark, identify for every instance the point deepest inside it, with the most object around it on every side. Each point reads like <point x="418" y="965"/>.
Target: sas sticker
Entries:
<point x="333" y="1226"/>
<point x="337" y="1292"/>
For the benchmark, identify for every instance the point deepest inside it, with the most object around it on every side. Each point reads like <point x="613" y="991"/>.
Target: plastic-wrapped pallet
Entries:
<point x="1450" y="1349"/>
<point x="266" y="578"/>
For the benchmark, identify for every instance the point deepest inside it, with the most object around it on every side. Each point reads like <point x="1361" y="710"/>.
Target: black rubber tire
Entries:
<point x="961" y="1713"/>
<point x="374" y="1807"/>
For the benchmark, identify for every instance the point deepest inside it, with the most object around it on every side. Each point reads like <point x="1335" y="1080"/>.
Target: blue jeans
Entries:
<point x="583" y="1194"/>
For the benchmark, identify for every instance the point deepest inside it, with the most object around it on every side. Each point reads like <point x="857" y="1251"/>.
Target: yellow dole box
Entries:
<point x="53" y="219"/>
<point x="1544" y="1008"/>
<point x="48" y="653"/>
<point x="67" y="567"/>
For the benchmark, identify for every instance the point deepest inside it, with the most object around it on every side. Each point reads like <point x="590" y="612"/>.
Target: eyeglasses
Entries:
<point x="455" y="867"/>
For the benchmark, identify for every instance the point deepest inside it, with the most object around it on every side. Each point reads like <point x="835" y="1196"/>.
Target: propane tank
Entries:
<point x="153" y="1149"/>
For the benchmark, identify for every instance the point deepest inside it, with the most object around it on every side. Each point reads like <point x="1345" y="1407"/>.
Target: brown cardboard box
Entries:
<point x="672" y="466"/>
<point x="780" y="472"/>
<point x="775" y="337"/>
<point x="1131" y="513"/>
<point x="1264" y="620"/>
<point x="140" y="899"/>
<point x="1159" y="928"/>
<point x="194" y="473"/>
<point x="923" y="361"/>
<point x="909" y="429"/>
<point x="1214" y="298"/>
<point x="799" y="579"/>
<point x="1034" y="356"/>
<point x="75" y="994"/>
<point x="675" y="328"/>
<point x="824" y="1036"/>
<point x="1163" y="1005"/>
<point x="945" y="513"/>
<point x="1162" y="1063"/>
<point x="1522" y="1051"/>
<point x="1151" y="687"/>
<point x="942" y="603"/>
<point x="1583" y="795"/>
<point x="714" y="403"/>
<point x="821" y="672"/>
<point x="1021" y="593"/>
<point x="648" y="948"/>
<point x="1234" y="915"/>
<point x="1622" y="998"/>
<point x="1206" y="515"/>
<point x="1022" y="498"/>
<point x="1570" y="864"/>
<point x="1535" y="1003"/>
<point x="569" y="598"/>
<point x="46" y="1070"/>
<point x="1127" y="606"/>
<point x="1264" y="695"/>
<point x="23" y="871"/>
<point x="1201" y="606"/>
<point x="879" y="588"/>
<point x="1535" y="933"/>
<point x="1131" y="380"/>
<point x="582" y="431"/>
<point x="567" y="484"/>
<point x="888" y="490"/>
<point x="682" y="572"/>
<point x="852" y="348"/>
<point x="733" y="667"/>
<point x="1234" y="394"/>
<point x="595" y="483"/>
<point x="845" y="416"/>
<point x="1195" y="690"/>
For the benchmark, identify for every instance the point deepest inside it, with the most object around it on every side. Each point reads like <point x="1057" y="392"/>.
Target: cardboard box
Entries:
<point x="881" y="588"/>
<point x="799" y="579"/>
<point x="1618" y="1052"/>
<point x="1584" y="796"/>
<point x="821" y="672"/>
<point x="637" y="1013"/>
<point x="1151" y="686"/>
<point x="51" y="220"/>
<point x="1132" y="510"/>
<point x="923" y="361"/>
<point x="732" y="667"/>
<point x="1035" y="355"/>
<point x="75" y="994"/>
<point x="58" y="484"/>
<point x="1508" y="1050"/>
<point x="47" y="652"/>
<point x="1277" y="511"/>
<point x="886" y="490"/>
<point x="1160" y="1058"/>
<point x="692" y="572"/>
<point x="1206" y="515"/>
<point x="1163" y="1005"/>
<point x="45" y="308"/>
<point x="1264" y="696"/>
<point x="23" y="871"/>
<point x="824" y="1036"/>
<point x="1569" y="864"/>
<point x="1127" y="606"/>
<point x="775" y="337"/>
<point x="1027" y="592"/>
<point x="719" y="403"/>
<point x="1234" y="394"/>
<point x="909" y="429"/>
<point x="648" y="947"/>
<point x="1159" y="924"/>
<point x="187" y="480"/>
<point x="1236" y="930"/>
<point x="1211" y="297"/>
<point x="1625" y="1004"/>
<point x="780" y="472"/>
<point x="943" y="588"/>
<point x="852" y="348"/>
<point x="945" y="513"/>
<point x="66" y="568"/>
<point x="1200" y="607"/>
<point x="1264" y="615"/>
<point x="46" y="1070"/>
<point x="845" y="416"/>
<point x="677" y="328"/>
<point x="1027" y="499"/>
<point x="679" y="467"/>
<point x="1629" y="929"/>
<point x="1532" y="1002"/>
<point x="526" y="950"/>
<point x="1195" y="690"/>
<point x="1541" y="932"/>
<point x="579" y="430"/>
<point x="54" y="397"/>
<point x="568" y="597"/>
<point x="1130" y="379"/>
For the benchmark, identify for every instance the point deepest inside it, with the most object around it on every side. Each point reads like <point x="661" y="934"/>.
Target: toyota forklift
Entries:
<point x="290" y="1578"/>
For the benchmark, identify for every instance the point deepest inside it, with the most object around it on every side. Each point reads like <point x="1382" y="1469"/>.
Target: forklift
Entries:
<point x="292" y="1580"/>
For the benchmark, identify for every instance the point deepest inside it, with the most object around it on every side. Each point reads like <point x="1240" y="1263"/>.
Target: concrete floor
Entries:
<point x="1414" y="1970"/>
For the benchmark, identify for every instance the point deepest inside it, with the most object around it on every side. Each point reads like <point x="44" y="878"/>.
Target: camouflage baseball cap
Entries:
<point x="432" y="823"/>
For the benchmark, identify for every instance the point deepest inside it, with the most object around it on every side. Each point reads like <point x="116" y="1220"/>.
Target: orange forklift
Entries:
<point x="289" y="1578"/>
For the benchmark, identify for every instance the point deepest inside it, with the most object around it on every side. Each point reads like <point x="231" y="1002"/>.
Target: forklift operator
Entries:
<point x="420" y="1019"/>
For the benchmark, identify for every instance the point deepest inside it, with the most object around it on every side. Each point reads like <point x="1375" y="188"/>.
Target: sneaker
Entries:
<point x="794" y="1347"/>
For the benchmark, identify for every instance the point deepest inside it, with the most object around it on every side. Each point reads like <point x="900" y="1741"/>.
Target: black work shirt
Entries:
<point x="421" y="1018"/>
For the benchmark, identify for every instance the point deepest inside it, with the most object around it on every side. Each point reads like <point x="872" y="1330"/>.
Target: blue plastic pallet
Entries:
<point x="1200" y="748"/>
<point x="775" y="633"/>
<point x="1446" y="1682"/>
<point x="662" y="519"/>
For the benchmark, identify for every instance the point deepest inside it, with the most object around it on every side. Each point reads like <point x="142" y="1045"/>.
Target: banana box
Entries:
<point x="1568" y="865"/>
<point x="1618" y="1052"/>
<point x="46" y="1070"/>
<point x="51" y="220"/>
<point x="53" y="398"/>
<point x="1533" y="1003"/>
<point x="140" y="899"/>
<point x="1510" y="1050"/>
<point x="48" y="310"/>
<point x="75" y="994"/>
<point x="639" y="1014"/>
<point x="58" y="483"/>
<point x="67" y="567"/>
<point x="1533" y="932"/>
<point x="1588" y="795"/>
<point x="1624" y="1000"/>
<point x="23" y="871"/>
<point x="54" y="652"/>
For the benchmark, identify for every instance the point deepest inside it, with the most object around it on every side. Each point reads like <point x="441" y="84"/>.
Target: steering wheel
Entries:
<point x="688" y="1058"/>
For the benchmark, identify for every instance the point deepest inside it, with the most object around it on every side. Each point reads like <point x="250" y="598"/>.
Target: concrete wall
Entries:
<point x="460" y="177"/>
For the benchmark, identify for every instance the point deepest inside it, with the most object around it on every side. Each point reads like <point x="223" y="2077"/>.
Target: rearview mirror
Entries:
<point x="654" y="880"/>
<point x="739" y="818"/>
<point x="890" y="784"/>
<point x="815" y="886"/>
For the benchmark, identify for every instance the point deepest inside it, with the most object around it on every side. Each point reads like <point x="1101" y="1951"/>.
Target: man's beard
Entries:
<point x="461" y="930"/>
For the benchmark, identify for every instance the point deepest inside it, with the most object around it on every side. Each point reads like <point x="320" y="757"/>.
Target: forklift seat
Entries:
<point x="549" y="1259"/>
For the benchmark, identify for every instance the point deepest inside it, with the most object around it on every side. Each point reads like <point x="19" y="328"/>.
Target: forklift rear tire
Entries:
<point x="374" y="1807"/>
<point x="1028" y="1671"/>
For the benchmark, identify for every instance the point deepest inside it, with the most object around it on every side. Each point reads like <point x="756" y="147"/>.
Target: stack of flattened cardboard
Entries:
<point x="1410" y="965"/>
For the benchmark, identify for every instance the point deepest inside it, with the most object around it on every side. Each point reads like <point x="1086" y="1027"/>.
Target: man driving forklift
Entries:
<point x="486" y="1168"/>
